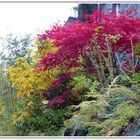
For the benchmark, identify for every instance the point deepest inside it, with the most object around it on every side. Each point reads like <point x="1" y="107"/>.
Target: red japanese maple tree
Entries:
<point x="73" y="38"/>
<point x="100" y="40"/>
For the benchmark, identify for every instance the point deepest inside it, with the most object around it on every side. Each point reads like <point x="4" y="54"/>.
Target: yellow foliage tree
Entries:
<point x="26" y="79"/>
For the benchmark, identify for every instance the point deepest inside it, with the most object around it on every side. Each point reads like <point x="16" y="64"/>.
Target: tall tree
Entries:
<point x="14" y="47"/>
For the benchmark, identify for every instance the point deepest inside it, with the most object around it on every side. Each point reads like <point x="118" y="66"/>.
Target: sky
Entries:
<point x="34" y="18"/>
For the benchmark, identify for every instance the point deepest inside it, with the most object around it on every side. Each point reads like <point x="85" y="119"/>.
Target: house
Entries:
<point x="89" y="8"/>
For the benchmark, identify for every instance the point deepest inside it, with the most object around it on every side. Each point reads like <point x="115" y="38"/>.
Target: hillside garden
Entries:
<point x="76" y="79"/>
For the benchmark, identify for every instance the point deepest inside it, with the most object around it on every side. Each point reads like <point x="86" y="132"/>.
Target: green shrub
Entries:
<point x="123" y="105"/>
<point x="34" y="118"/>
<point x="124" y="81"/>
<point x="136" y="78"/>
<point x="81" y="82"/>
<point x="116" y="96"/>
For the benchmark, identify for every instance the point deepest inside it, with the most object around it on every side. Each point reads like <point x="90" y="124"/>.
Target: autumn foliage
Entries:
<point x="92" y="46"/>
<point x="73" y="39"/>
<point x="98" y="42"/>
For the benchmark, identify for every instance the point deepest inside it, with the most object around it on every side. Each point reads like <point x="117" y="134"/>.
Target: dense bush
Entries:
<point x="36" y="119"/>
